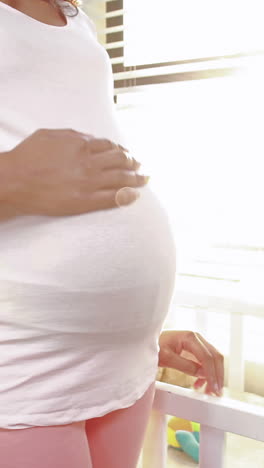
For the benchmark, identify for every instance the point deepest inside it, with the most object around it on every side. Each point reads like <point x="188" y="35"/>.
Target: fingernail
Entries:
<point x="126" y="195"/>
<point x="142" y="178"/>
<point x="216" y="388"/>
<point x="146" y="179"/>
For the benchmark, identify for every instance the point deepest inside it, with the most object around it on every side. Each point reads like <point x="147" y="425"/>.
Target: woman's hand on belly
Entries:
<point x="63" y="173"/>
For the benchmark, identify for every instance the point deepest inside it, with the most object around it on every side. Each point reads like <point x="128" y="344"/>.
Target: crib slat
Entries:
<point x="155" y="444"/>
<point x="216" y="416"/>
<point x="212" y="447"/>
<point x="236" y="366"/>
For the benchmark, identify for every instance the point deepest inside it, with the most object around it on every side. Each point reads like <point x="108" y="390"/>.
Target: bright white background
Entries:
<point x="202" y="143"/>
<point x="170" y="30"/>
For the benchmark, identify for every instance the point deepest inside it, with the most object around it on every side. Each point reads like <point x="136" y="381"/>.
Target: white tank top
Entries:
<point x="82" y="299"/>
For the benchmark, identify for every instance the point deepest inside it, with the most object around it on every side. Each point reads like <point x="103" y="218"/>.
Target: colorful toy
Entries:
<point x="184" y="435"/>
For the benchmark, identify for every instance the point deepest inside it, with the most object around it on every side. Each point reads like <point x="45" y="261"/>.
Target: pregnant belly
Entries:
<point x="118" y="248"/>
<point x="105" y="272"/>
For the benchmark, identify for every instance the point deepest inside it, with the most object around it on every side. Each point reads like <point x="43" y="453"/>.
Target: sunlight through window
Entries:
<point x="175" y="30"/>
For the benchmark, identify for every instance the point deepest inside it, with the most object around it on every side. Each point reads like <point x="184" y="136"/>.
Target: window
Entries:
<point x="151" y="42"/>
<point x="180" y="30"/>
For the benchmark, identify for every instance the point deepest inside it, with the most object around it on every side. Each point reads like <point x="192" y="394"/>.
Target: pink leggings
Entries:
<point x="113" y="441"/>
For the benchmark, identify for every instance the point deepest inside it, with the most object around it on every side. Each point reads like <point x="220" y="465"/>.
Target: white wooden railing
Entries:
<point x="216" y="416"/>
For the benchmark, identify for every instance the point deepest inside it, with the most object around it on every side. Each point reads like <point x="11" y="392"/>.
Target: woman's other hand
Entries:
<point x="205" y="362"/>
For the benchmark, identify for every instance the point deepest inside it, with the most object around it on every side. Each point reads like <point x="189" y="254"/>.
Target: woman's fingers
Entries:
<point x="199" y="383"/>
<point x="104" y="154"/>
<point x="218" y="362"/>
<point x="172" y="359"/>
<point x="190" y="353"/>
<point x="175" y="361"/>
<point x="203" y="354"/>
<point x="113" y="159"/>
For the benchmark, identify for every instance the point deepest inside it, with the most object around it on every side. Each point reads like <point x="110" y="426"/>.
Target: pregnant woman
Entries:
<point x="87" y="270"/>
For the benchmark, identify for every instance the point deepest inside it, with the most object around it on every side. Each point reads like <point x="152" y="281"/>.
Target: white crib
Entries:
<point x="216" y="416"/>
